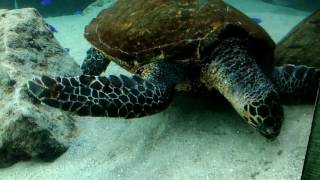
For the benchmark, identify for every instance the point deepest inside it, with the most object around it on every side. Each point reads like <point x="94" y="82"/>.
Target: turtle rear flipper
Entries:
<point x="110" y="96"/>
<point x="296" y="81"/>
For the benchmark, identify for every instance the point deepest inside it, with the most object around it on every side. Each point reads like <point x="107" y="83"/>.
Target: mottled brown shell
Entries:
<point x="136" y="32"/>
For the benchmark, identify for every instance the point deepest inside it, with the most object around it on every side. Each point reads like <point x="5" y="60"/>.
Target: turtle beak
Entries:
<point x="270" y="128"/>
<point x="269" y="133"/>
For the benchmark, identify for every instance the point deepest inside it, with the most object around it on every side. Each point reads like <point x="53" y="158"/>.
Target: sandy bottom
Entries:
<point x="195" y="138"/>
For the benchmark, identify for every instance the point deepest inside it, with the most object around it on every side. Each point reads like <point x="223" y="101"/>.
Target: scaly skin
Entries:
<point x="234" y="73"/>
<point x="95" y="62"/>
<point x="296" y="82"/>
<point x="112" y="96"/>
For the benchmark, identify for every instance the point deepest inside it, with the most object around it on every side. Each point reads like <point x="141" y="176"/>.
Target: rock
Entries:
<point x="52" y="8"/>
<point x="302" y="44"/>
<point x="28" y="129"/>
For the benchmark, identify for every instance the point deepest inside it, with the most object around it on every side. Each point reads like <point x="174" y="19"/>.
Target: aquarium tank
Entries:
<point x="159" y="89"/>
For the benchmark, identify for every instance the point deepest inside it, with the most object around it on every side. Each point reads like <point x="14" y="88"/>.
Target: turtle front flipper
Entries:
<point x="296" y="81"/>
<point x="111" y="96"/>
<point x="95" y="62"/>
<point x="233" y="71"/>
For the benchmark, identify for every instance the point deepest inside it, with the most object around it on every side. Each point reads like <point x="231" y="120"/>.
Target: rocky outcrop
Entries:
<point x="302" y="44"/>
<point x="28" y="129"/>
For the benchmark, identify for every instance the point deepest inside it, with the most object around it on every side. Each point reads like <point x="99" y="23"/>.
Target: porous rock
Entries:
<point x="302" y="44"/>
<point x="27" y="49"/>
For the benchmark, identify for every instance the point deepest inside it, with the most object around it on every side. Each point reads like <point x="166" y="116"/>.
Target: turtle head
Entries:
<point x="265" y="114"/>
<point x="236" y="75"/>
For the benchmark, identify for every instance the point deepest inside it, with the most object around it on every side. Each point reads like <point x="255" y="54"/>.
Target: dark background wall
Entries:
<point x="55" y="8"/>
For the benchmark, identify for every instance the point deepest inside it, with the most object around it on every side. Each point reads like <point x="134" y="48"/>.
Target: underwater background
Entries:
<point x="192" y="139"/>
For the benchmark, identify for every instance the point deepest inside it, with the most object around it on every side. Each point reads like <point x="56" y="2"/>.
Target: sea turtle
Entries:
<point x="169" y="46"/>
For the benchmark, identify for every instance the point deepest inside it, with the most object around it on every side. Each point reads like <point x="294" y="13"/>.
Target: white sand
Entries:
<point x="192" y="139"/>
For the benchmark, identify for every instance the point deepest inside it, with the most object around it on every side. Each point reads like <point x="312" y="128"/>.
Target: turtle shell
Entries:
<point x="135" y="32"/>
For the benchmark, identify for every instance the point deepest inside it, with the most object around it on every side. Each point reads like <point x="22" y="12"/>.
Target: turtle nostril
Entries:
<point x="270" y="131"/>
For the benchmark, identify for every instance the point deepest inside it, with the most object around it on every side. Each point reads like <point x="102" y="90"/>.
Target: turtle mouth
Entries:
<point x="270" y="128"/>
<point x="269" y="133"/>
